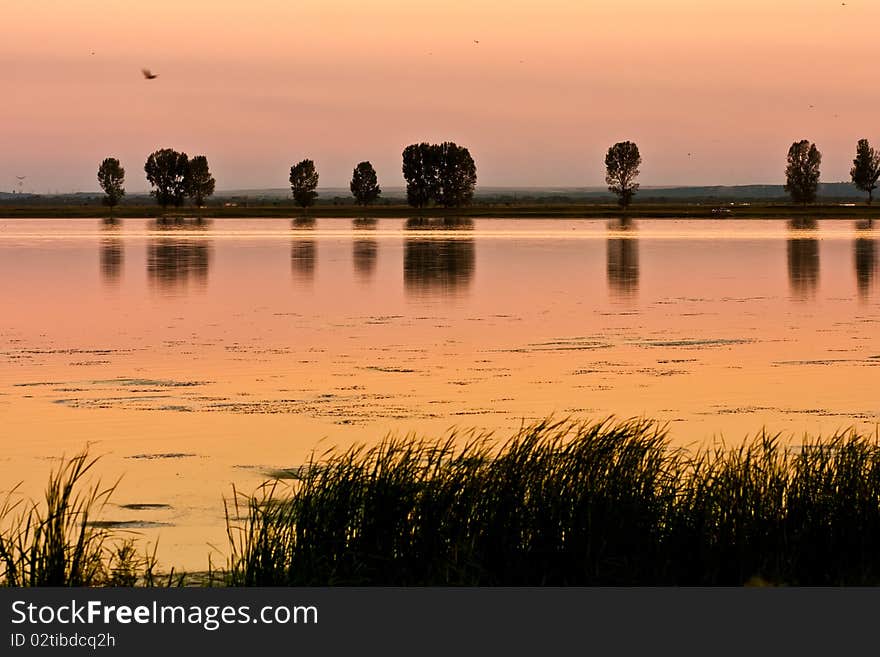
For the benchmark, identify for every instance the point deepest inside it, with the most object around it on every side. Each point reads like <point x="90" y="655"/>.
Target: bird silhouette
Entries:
<point x="148" y="74"/>
<point x="476" y="41"/>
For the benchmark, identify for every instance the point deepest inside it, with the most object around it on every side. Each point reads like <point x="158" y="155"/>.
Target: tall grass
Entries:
<point x="559" y="503"/>
<point x="567" y="503"/>
<point x="57" y="544"/>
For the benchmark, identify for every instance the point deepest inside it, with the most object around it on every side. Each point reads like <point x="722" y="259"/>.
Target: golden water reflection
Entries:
<point x="228" y="373"/>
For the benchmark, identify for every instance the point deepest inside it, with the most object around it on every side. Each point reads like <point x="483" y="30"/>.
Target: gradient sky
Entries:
<point x="713" y="92"/>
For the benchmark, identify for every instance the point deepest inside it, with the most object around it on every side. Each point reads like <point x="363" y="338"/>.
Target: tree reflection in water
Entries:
<point x="439" y="223"/>
<point x="302" y="259"/>
<point x="622" y="260"/>
<point x="364" y="249"/>
<point x="112" y="259"/>
<point x="803" y="260"/>
<point x="435" y="265"/>
<point x="303" y="251"/>
<point x="438" y="266"/>
<point x="364" y="252"/>
<point x="112" y="253"/>
<point x="175" y="261"/>
<point x="865" y="251"/>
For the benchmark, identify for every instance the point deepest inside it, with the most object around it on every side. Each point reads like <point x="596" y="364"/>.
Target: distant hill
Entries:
<point x="828" y="192"/>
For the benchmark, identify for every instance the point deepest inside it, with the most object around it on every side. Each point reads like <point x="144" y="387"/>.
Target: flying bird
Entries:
<point x="148" y="74"/>
<point x="475" y="41"/>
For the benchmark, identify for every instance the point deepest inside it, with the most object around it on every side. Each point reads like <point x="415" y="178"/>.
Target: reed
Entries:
<point x="559" y="503"/>
<point x="57" y="544"/>
<point x="568" y="503"/>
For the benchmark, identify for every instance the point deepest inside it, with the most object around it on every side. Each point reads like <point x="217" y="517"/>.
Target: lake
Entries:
<point x="192" y="356"/>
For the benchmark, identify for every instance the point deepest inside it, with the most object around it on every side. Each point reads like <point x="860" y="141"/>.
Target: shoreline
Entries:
<point x="488" y="211"/>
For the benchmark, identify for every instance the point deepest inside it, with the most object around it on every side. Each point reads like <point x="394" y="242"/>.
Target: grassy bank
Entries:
<point x="511" y="210"/>
<point x="559" y="503"/>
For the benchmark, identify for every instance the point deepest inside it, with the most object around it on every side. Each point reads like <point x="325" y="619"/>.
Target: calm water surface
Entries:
<point x="194" y="356"/>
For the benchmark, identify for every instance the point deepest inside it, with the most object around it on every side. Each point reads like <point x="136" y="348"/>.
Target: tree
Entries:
<point x="621" y="169"/>
<point x="364" y="184"/>
<point x="456" y="175"/>
<point x="420" y="170"/>
<point x="802" y="172"/>
<point x="303" y="182"/>
<point x="167" y="171"/>
<point x="199" y="181"/>
<point x="444" y="173"/>
<point x="866" y="168"/>
<point x="111" y="177"/>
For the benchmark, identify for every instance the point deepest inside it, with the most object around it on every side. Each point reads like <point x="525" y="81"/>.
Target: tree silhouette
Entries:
<point x="111" y="177"/>
<point x="303" y="182"/>
<point x="167" y="171"/>
<point x="621" y="169"/>
<point x="457" y="175"/>
<point x="199" y="181"/>
<point x="866" y="168"/>
<point x="802" y="171"/>
<point x="444" y="173"/>
<point x="364" y="184"/>
<point x="420" y="170"/>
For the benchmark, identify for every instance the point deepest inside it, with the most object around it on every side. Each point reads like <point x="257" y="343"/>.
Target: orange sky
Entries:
<point x="259" y="85"/>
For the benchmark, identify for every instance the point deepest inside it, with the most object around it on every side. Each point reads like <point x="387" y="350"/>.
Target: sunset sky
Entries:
<point x="712" y="92"/>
